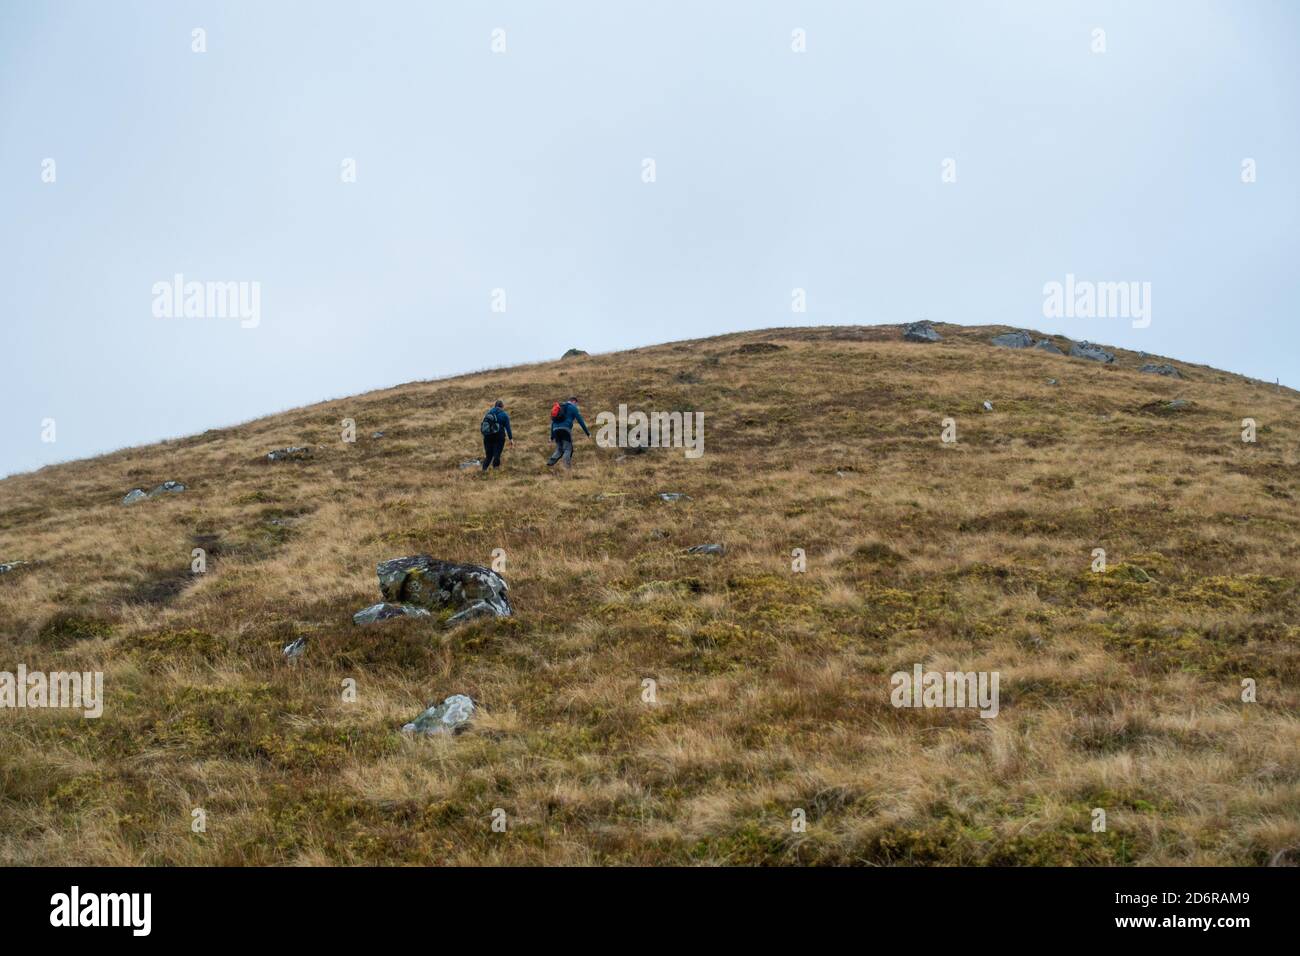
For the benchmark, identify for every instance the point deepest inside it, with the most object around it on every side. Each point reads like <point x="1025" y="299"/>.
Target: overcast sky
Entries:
<point x="524" y="171"/>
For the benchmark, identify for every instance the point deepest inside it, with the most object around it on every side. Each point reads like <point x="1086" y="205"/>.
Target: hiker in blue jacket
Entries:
<point x="562" y="419"/>
<point x="495" y="429"/>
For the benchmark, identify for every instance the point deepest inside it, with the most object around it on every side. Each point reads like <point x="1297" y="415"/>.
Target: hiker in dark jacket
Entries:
<point x="495" y="429"/>
<point x="562" y="431"/>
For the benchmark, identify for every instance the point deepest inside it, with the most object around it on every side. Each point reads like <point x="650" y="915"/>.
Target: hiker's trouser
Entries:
<point x="563" y="448"/>
<point x="492" y="445"/>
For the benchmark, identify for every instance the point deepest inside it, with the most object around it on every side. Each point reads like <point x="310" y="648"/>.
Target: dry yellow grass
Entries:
<point x="773" y="687"/>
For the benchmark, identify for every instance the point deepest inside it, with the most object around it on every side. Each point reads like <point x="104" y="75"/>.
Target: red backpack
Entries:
<point x="555" y="411"/>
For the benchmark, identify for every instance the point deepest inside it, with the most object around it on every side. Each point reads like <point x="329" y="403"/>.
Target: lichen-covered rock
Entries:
<point x="1163" y="368"/>
<point x="385" y="611"/>
<point x="292" y="453"/>
<point x="921" y="331"/>
<point x="449" y="717"/>
<point x="437" y="585"/>
<point x="1013" y="340"/>
<point x="1095" y="353"/>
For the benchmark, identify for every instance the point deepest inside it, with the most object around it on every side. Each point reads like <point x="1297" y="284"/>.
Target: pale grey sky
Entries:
<point x="522" y="170"/>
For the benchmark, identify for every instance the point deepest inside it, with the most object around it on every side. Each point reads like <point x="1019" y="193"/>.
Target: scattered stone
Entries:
<point x="987" y="406"/>
<point x="573" y="353"/>
<point x="449" y="717"/>
<point x="471" y="463"/>
<point x="1087" y="350"/>
<point x="673" y="496"/>
<point x="921" y="331"/>
<point x="377" y="435"/>
<point x="1013" y="340"/>
<point x="385" y="611"/>
<point x="436" y="584"/>
<point x="1047" y="345"/>
<point x="292" y="453"/>
<point x="295" y="650"/>
<point x="166" y="488"/>
<point x="1052" y="381"/>
<point x="6" y="568"/>
<point x="715" y="549"/>
<point x="1164" y="368"/>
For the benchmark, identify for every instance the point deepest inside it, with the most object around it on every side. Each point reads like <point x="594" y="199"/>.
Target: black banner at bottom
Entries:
<point x="330" y="905"/>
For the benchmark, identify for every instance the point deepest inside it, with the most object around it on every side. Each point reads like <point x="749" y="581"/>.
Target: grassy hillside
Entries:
<point x="1119" y="691"/>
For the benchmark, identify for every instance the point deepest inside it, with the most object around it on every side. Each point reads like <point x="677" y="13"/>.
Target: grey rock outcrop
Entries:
<point x="1095" y="353"/>
<point x="166" y="488"/>
<point x="921" y="331"/>
<point x="449" y="717"/>
<point x="673" y="496"/>
<point x="1163" y="368"/>
<point x="573" y="353"/>
<point x="1047" y="345"/>
<point x="1013" y="340"/>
